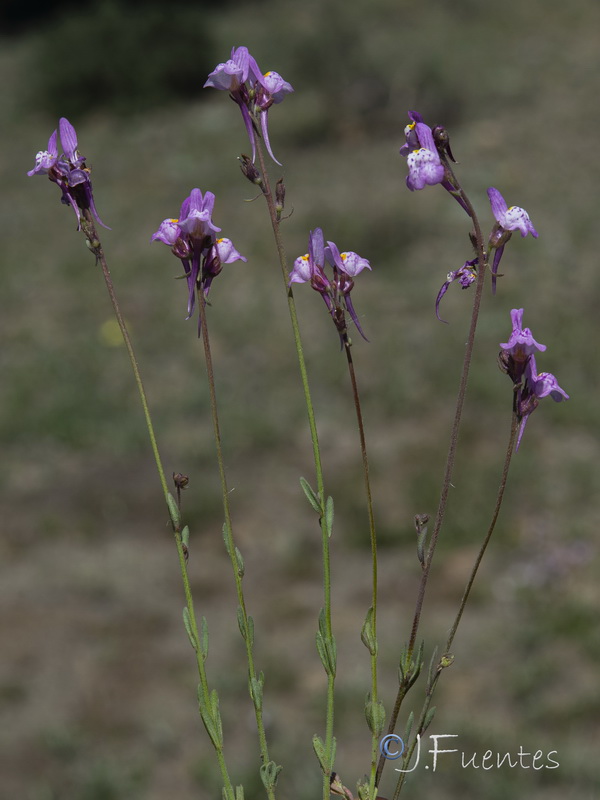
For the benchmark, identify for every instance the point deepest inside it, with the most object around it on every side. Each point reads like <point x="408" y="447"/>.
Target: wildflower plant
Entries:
<point x="193" y="238"/>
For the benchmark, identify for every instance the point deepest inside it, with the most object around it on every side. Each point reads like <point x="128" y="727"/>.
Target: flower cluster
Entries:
<point x="426" y="151"/>
<point x="310" y="268"/>
<point x="68" y="170"/>
<point x="518" y="361"/>
<point x="192" y="239"/>
<point x="253" y="91"/>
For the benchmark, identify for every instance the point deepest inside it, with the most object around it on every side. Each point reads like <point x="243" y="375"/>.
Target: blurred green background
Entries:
<point x="97" y="679"/>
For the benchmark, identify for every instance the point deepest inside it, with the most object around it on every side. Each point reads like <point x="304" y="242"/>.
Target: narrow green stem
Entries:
<point x="432" y="687"/>
<point x="486" y="541"/>
<point x="449" y="469"/>
<point x="229" y="540"/>
<point x="230" y="793"/>
<point x="268" y="195"/>
<point x="373" y="538"/>
<point x="95" y="246"/>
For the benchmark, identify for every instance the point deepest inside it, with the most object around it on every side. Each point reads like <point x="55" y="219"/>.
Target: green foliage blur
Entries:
<point x="97" y="681"/>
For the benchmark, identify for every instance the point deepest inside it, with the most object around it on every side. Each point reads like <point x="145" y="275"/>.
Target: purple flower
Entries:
<point x="521" y="344"/>
<point x="310" y="268"/>
<point x="68" y="170"/>
<point x="507" y="220"/>
<point x="535" y="388"/>
<point x="192" y="239"/>
<point x="254" y="92"/>
<point x="518" y="361"/>
<point x="465" y="275"/>
<point x="424" y="164"/>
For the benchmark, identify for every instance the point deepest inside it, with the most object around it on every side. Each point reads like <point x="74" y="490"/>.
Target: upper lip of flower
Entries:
<point x="254" y="99"/>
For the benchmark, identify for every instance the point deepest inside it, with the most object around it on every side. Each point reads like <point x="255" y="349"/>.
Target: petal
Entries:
<point x="167" y="233"/>
<point x="226" y="76"/>
<point x="498" y="204"/>
<point x="316" y="247"/>
<point x="332" y="254"/>
<point x="301" y="272"/>
<point x="68" y="138"/>
<point x="518" y="219"/>
<point x="353" y="264"/>
<point x="424" y="169"/>
<point x="227" y="252"/>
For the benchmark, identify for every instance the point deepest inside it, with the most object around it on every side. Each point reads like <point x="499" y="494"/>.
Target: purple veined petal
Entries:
<point x="517" y="218"/>
<point x="544" y="384"/>
<point x="547" y="386"/>
<point x="68" y="139"/>
<point x="185" y="208"/>
<point x="301" y="271"/>
<point x="196" y="201"/>
<point x="168" y="232"/>
<point x="316" y="248"/>
<point x="352" y="312"/>
<point x="415" y="116"/>
<point x="227" y="252"/>
<point x="198" y="224"/>
<point x="208" y="203"/>
<point x="498" y="203"/>
<point x="495" y="265"/>
<point x="241" y="56"/>
<point x="53" y="144"/>
<point x="353" y="264"/>
<point x="425" y="136"/>
<point x="332" y="254"/>
<point x="264" y="125"/>
<point x="521" y="344"/>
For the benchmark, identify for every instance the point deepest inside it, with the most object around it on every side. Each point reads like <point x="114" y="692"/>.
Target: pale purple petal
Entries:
<point x="301" y="272"/>
<point x="167" y="233"/>
<point x="276" y="86"/>
<point x="68" y="139"/>
<point x="227" y="252"/>
<point x="353" y="264"/>
<point x="316" y="247"/>
<point x="498" y="204"/>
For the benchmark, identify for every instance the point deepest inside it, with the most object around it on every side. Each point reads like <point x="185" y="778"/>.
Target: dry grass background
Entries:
<point x="97" y="681"/>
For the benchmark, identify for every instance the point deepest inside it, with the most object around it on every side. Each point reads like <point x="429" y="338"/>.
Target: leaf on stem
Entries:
<point x="173" y="512"/>
<point x="329" y="516"/>
<point x="187" y="621"/>
<point x="321" y="753"/>
<point x="204" y="638"/>
<point x="311" y="496"/>
<point x="367" y="633"/>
